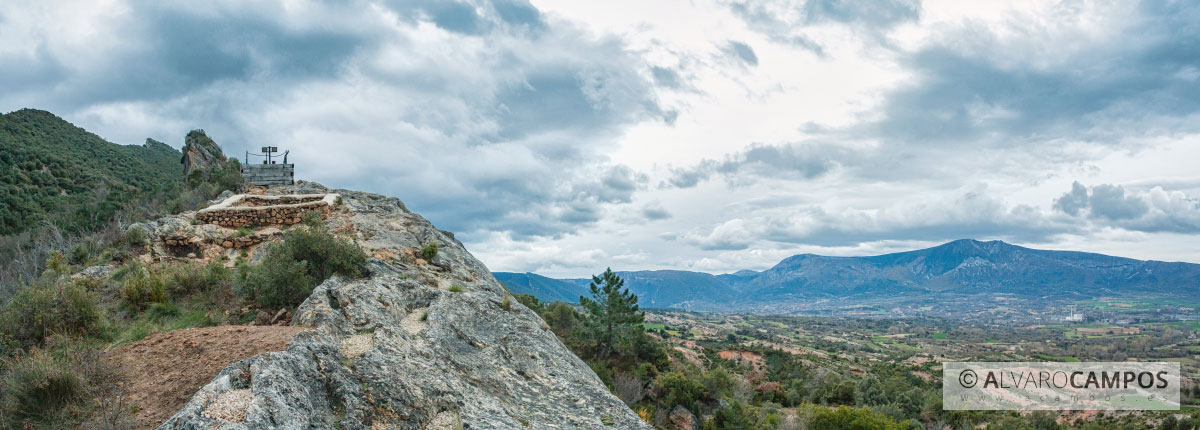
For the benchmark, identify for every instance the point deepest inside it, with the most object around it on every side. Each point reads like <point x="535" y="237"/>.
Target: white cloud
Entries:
<point x="566" y="136"/>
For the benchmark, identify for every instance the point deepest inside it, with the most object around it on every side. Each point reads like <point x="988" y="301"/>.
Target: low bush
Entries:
<point x="530" y="302"/>
<point x="143" y="287"/>
<point x="60" y="307"/>
<point x="678" y="389"/>
<point x="292" y="267"/>
<point x="65" y="385"/>
<point x="187" y="280"/>
<point x="57" y="263"/>
<point x="429" y="251"/>
<point x="37" y="386"/>
<point x="80" y="253"/>
<point x="847" y="418"/>
<point x="160" y="312"/>
<point x="136" y="236"/>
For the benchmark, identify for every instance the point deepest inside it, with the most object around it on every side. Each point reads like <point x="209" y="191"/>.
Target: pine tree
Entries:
<point x="612" y="310"/>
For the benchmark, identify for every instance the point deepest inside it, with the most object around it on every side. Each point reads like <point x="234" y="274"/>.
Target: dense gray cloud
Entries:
<point x="553" y="136"/>
<point x="788" y="21"/>
<point x="1153" y="210"/>
<point x="971" y="213"/>
<point x="484" y="116"/>
<point x="805" y="160"/>
<point x="655" y="211"/>
<point x="871" y="13"/>
<point x="979" y="89"/>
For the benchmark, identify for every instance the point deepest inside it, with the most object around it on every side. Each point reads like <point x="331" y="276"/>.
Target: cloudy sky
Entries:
<point x="563" y="136"/>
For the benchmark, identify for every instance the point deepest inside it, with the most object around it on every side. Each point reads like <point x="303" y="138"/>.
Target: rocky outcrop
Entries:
<point x="683" y="419"/>
<point x="415" y="345"/>
<point x="200" y="152"/>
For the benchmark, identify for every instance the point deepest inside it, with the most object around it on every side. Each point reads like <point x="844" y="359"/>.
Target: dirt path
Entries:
<point x="165" y="369"/>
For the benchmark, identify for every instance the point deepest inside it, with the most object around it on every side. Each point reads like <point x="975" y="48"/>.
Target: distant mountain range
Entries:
<point x="932" y="276"/>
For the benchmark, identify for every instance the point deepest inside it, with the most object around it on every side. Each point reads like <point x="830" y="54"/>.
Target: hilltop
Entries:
<point x="56" y="172"/>
<point x="415" y="342"/>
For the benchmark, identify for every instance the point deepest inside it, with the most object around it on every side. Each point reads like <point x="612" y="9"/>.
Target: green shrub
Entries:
<point x="734" y="415"/>
<point x="186" y="280"/>
<point x="143" y="287"/>
<point x="244" y="232"/>
<point x="292" y="267"/>
<point x="160" y="312"/>
<point x="136" y="236"/>
<point x="80" y="253"/>
<point x="678" y="389"/>
<point x="456" y="288"/>
<point x="37" y="386"/>
<point x="530" y="302"/>
<point x="847" y="418"/>
<point x="312" y="219"/>
<point x="68" y="384"/>
<point x="279" y="281"/>
<point x="57" y="263"/>
<point x="429" y="250"/>
<point x="506" y="304"/>
<point x="39" y="311"/>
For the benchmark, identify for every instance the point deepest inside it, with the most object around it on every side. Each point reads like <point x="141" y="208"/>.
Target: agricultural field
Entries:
<point x="859" y="348"/>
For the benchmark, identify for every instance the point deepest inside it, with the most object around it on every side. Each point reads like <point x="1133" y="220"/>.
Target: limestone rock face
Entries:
<point x="415" y="345"/>
<point x="200" y="152"/>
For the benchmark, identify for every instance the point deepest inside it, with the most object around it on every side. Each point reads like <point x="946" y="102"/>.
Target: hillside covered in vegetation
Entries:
<point x="57" y="173"/>
<point x="62" y="187"/>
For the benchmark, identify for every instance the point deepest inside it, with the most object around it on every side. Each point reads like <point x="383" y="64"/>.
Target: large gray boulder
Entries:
<point x="416" y="345"/>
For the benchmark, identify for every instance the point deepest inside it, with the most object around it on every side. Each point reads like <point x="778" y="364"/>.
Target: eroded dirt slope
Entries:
<point x="163" y="370"/>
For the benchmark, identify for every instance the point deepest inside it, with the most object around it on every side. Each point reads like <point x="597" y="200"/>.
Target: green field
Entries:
<point x="1134" y="304"/>
<point x="1181" y="360"/>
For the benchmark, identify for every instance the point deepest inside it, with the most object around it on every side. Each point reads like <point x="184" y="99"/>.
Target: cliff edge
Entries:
<point x="415" y="345"/>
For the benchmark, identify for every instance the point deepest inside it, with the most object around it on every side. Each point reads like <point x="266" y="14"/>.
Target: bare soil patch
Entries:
<point x="164" y="370"/>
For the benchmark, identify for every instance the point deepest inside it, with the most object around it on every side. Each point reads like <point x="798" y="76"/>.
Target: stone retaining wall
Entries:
<point x="242" y="210"/>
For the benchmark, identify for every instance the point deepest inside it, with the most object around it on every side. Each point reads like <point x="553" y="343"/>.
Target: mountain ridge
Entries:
<point x="961" y="267"/>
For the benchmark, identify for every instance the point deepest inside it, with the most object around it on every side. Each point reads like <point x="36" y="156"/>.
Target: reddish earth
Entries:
<point x="163" y="370"/>
<point x="741" y="356"/>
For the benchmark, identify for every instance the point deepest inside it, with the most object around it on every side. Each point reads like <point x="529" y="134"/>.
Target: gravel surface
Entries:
<point x="412" y="322"/>
<point x="357" y="345"/>
<point x="230" y="406"/>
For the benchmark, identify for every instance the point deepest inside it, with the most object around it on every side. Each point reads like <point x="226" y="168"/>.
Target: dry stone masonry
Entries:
<point x="245" y="210"/>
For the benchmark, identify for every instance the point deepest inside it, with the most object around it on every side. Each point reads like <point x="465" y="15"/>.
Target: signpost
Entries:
<point x="268" y="150"/>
